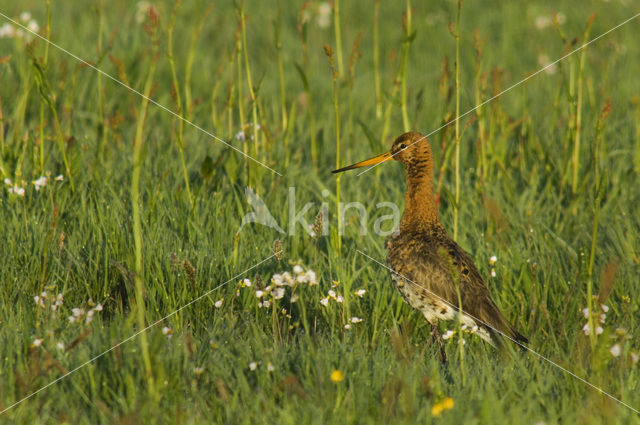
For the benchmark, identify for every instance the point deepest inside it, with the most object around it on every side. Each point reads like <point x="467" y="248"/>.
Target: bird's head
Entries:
<point x="409" y="148"/>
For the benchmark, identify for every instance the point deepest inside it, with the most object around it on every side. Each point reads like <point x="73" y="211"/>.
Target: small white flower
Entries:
<point x="586" y="329"/>
<point x="360" y="292"/>
<point x="301" y="278"/>
<point x="7" y="30"/>
<point x="278" y="293"/>
<point x="347" y="326"/>
<point x="218" y="303"/>
<point x="493" y="260"/>
<point x="25" y="16"/>
<point x="634" y="357"/>
<point x="37" y="342"/>
<point x="60" y="346"/>
<point x="198" y="370"/>
<point x="59" y="178"/>
<point x="270" y="367"/>
<point x="72" y="319"/>
<point x="77" y="312"/>
<point x="240" y="136"/>
<point x="331" y="293"/>
<point x="298" y="269"/>
<point x="615" y="350"/>
<point x="259" y="293"/>
<point x="324" y="301"/>
<point x="339" y="299"/>
<point x="15" y="190"/>
<point x="246" y="282"/>
<point x="265" y="304"/>
<point x="98" y="307"/>
<point x="253" y="365"/>
<point x="585" y="313"/>
<point x="493" y="273"/>
<point x="294" y="298"/>
<point x="355" y="319"/>
<point x="286" y="276"/>
<point x="604" y="307"/>
<point x="599" y="330"/>
<point x="166" y="330"/>
<point x="7" y="181"/>
<point x="277" y="279"/>
<point x="448" y="334"/>
<point x="33" y="26"/>
<point x="311" y="277"/>
<point x="90" y="313"/>
<point x="602" y="317"/>
<point x="323" y="20"/>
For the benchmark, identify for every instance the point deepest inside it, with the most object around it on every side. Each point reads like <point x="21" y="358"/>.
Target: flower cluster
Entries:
<point x="598" y="317"/>
<point x="440" y="407"/>
<point x="332" y="295"/>
<point x="280" y="285"/>
<point x="463" y="329"/>
<point x="246" y="130"/>
<point x="492" y="262"/>
<point x="39" y="183"/>
<point x="8" y="30"/>
<point x="52" y="305"/>
<point x="78" y="314"/>
<point x="254" y="366"/>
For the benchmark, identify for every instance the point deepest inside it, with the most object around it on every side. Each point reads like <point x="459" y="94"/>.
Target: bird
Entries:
<point x="431" y="271"/>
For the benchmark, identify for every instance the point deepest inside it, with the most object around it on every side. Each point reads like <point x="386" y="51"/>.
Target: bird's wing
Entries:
<point x="440" y="266"/>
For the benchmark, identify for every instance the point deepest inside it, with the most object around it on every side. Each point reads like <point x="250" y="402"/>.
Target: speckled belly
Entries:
<point x="421" y="299"/>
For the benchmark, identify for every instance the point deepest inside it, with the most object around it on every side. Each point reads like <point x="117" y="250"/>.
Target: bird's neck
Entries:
<point x="420" y="210"/>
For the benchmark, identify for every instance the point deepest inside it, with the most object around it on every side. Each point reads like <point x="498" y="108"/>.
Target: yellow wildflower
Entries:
<point x="336" y="376"/>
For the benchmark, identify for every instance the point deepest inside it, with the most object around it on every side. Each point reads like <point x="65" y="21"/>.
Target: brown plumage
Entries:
<point x="428" y="266"/>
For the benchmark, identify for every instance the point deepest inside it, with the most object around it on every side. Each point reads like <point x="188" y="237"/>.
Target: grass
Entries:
<point x="548" y="182"/>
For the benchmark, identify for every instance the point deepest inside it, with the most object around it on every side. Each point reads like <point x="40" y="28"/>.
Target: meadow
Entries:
<point x="130" y="291"/>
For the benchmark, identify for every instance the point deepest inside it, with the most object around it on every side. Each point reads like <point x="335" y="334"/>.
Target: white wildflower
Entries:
<point x="33" y="26"/>
<point x="98" y="307"/>
<point x="339" y="299"/>
<point x="240" y="136"/>
<point x="355" y="319"/>
<point x="7" y="30"/>
<point x="585" y="313"/>
<point x="37" y="342"/>
<point x="615" y="350"/>
<point x="301" y="278"/>
<point x="493" y="260"/>
<point x="360" y="292"/>
<point x="297" y="269"/>
<point x="259" y="293"/>
<point x="311" y="277"/>
<point x="635" y="357"/>
<point x="7" y="181"/>
<point x="493" y="273"/>
<point x="60" y="345"/>
<point x="331" y="293"/>
<point x="246" y="283"/>
<point x="277" y="279"/>
<point x="448" y="334"/>
<point x="586" y="329"/>
<point x="599" y="330"/>
<point x="59" y="178"/>
<point x="253" y="365"/>
<point x="198" y="370"/>
<point x="278" y="293"/>
<point x="323" y="20"/>
<point x="270" y="367"/>
<point x="602" y="317"/>
<point x="324" y="301"/>
<point x="166" y="330"/>
<point x="604" y="307"/>
<point x="218" y="303"/>
<point x="77" y="312"/>
<point x="347" y="326"/>
<point x="286" y="276"/>
<point x="143" y="8"/>
<point x="294" y="298"/>
<point x="16" y="190"/>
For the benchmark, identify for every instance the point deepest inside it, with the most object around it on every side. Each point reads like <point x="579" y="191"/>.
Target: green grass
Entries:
<point x="517" y="201"/>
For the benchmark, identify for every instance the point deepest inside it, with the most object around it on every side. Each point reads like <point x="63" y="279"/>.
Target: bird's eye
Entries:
<point x="403" y="146"/>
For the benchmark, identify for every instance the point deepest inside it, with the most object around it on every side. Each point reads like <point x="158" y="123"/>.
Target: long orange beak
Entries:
<point x="371" y="161"/>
